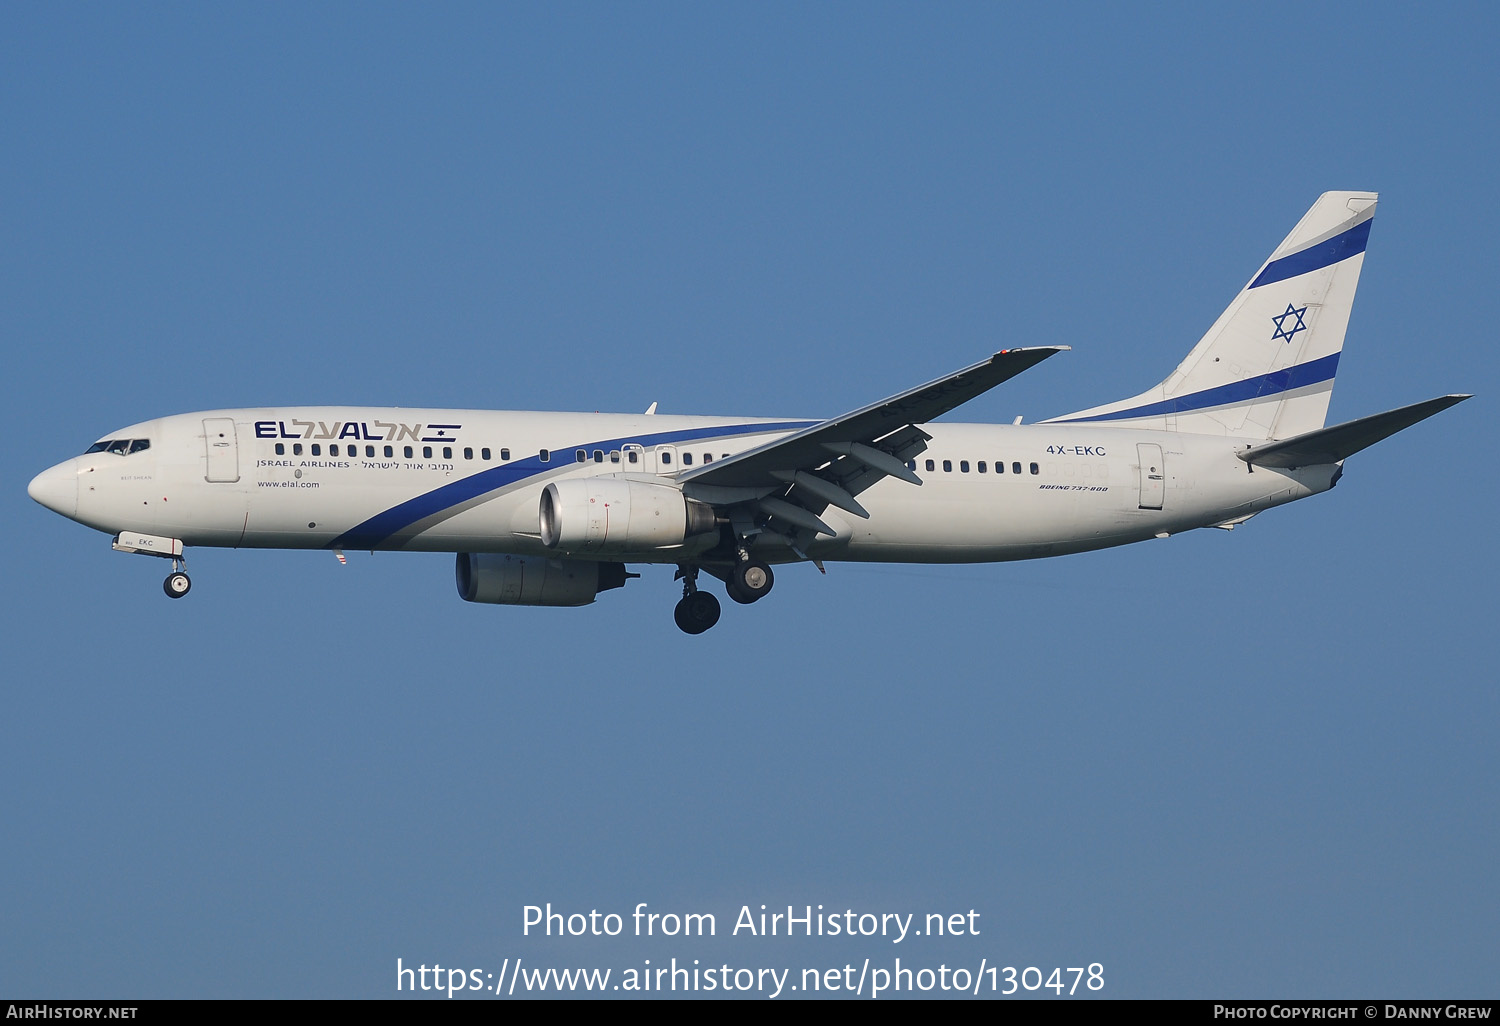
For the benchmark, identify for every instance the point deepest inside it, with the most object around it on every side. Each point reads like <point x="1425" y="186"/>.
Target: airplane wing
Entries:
<point x="1331" y="444"/>
<point x="795" y="478"/>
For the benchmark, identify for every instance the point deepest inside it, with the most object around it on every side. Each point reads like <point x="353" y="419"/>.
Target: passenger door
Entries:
<point x="221" y="450"/>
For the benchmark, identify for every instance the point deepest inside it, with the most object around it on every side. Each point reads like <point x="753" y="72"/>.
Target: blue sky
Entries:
<point x="1238" y="765"/>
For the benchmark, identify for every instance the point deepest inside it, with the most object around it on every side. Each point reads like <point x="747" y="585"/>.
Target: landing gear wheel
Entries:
<point x="697" y="612"/>
<point x="177" y="584"/>
<point x="750" y="581"/>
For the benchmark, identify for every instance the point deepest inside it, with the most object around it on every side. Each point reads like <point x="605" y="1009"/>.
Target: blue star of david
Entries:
<point x="1282" y="331"/>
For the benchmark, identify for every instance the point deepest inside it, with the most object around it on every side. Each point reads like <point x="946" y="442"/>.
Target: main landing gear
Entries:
<point x="698" y="610"/>
<point x="748" y="582"/>
<point x="177" y="583"/>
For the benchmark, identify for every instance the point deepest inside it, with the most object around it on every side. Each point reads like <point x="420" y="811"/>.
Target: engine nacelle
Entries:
<point x="534" y="580"/>
<point x="607" y="514"/>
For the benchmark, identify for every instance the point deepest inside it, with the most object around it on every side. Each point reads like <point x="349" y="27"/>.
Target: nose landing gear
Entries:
<point x="177" y="583"/>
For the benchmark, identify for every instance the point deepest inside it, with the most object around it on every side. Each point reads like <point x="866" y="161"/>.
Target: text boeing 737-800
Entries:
<point x="549" y="508"/>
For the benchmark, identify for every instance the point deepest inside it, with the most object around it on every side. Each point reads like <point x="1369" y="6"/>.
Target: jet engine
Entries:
<point x="534" y="580"/>
<point x="606" y="514"/>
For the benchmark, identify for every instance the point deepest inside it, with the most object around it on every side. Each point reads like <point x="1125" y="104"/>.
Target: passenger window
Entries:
<point x="1034" y="469"/>
<point x="389" y="452"/>
<point x="406" y="451"/>
<point x="614" y="455"/>
<point x="333" y="450"/>
<point x="296" y="448"/>
<point x="687" y="459"/>
<point x="632" y="456"/>
<point x="280" y="449"/>
<point x="999" y="466"/>
<point x="963" y="466"/>
<point x="981" y="466"/>
<point x="931" y="465"/>
<point x="666" y="457"/>
<point x="468" y="453"/>
<point x="317" y="450"/>
<point x="504" y="454"/>
<point x="427" y="452"/>
<point x="447" y="452"/>
<point x="369" y="452"/>
<point x="947" y="466"/>
<point x="545" y="456"/>
<point x="484" y="454"/>
<point x="598" y="455"/>
<point x="708" y="457"/>
<point x="1015" y="468"/>
<point x="581" y="456"/>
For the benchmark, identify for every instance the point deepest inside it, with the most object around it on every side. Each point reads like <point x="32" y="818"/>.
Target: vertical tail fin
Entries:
<point x="1265" y="369"/>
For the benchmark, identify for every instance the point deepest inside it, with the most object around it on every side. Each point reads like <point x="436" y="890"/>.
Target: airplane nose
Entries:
<point x="56" y="488"/>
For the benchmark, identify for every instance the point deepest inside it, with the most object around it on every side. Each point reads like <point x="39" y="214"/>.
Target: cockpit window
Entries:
<point x="120" y="446"/>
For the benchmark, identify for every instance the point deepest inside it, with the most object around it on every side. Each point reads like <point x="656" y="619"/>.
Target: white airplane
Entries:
<point x="548" y="508"/>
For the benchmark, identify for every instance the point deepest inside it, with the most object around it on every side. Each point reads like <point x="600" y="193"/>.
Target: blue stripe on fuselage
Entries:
<point x="381" y="526"/>
<point x="1341" y="247"/>
<point x="1251" y="389"/>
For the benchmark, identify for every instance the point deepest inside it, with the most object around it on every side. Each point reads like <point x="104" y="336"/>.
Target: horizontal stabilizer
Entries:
<point x="1329" y="445"/>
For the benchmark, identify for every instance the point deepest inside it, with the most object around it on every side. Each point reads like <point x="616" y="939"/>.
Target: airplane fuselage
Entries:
<point x="471" y="481"/>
